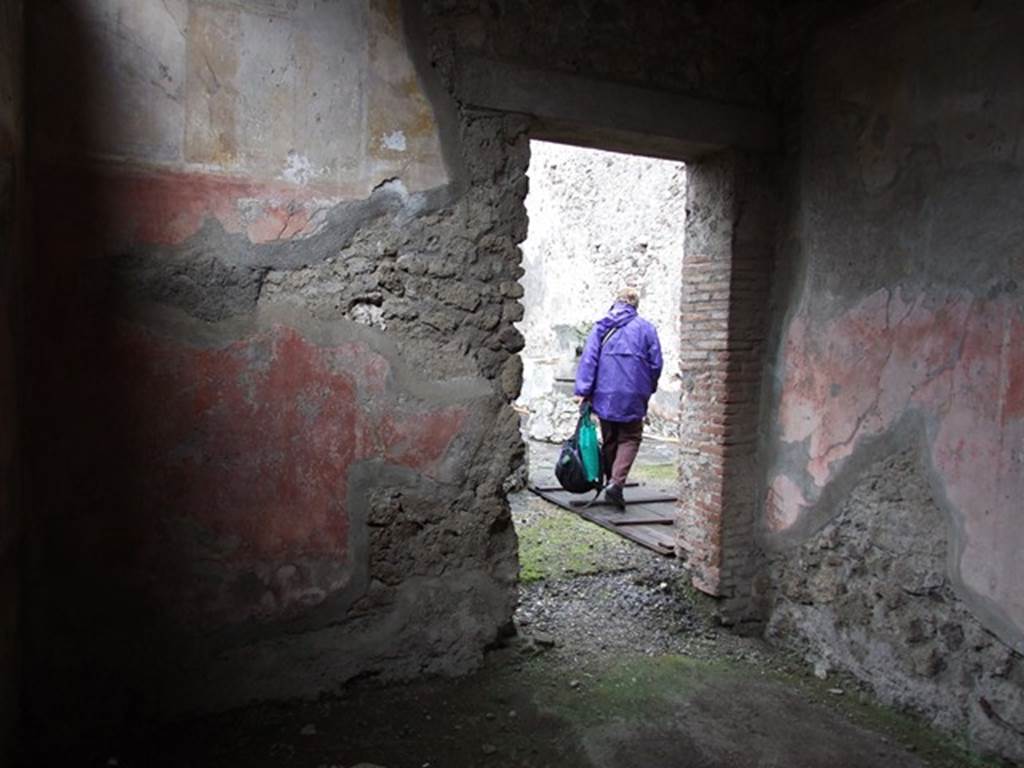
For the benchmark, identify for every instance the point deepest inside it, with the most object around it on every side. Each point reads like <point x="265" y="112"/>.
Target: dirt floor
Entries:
<point x="617" y="663"/>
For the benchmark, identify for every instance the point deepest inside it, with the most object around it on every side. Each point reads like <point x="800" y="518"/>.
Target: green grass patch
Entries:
<point x="562" y="544"/>
<point x="664" y="474"/>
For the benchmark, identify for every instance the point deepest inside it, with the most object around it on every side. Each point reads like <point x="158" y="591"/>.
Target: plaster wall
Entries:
<point x="265" y="115"/>
<point x="271" y="338"/>
<point x="12" y="208"/>
<point x="598" y="221"/>
<point x="906" y="323"/>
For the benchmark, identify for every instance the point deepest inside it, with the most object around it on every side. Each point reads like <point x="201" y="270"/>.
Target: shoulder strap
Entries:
<point x="611" y="331"/>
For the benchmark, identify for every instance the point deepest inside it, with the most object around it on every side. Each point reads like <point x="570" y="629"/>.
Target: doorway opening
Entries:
<point x="599" y="221"/>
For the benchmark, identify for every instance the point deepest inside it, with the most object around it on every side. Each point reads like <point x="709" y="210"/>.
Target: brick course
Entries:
<point x="723" y="324"/>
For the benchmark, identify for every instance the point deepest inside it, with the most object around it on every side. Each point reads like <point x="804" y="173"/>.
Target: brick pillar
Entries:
<point x="726" y="274"/>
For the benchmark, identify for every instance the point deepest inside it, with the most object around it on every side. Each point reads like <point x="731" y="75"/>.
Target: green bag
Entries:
<point x="590" y="450"/>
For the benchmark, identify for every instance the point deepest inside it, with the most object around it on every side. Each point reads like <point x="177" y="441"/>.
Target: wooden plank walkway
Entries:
<point x="649" y="518"/>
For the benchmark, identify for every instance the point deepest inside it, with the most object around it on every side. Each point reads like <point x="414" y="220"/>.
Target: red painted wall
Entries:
<point x="202" y="466"/>
<point x="908" y="321"/>
<point x="212" y="481"/>
<point x="958" y="361"/>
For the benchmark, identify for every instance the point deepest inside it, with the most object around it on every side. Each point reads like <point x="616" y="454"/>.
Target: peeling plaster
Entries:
<point x="298" y="169"/>
<point x="959" y="361"/>
<point x="394" y="141"/>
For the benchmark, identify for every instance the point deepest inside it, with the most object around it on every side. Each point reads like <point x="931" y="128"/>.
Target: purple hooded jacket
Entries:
<point x="620" y="376"/>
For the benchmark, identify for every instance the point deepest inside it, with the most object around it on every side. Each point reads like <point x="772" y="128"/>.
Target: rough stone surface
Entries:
<point x="869" y="594"/>
<point x="598" y="221"/>
<point x="617" y="662"/>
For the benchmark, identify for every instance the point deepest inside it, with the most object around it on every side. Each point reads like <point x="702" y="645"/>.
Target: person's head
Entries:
<point x="629" y="295"/>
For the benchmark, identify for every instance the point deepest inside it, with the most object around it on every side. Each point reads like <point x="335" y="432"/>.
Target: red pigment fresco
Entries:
<point x="957" y="359"/>
<point x="168" y="207"/>
<point x="240" y="458"/>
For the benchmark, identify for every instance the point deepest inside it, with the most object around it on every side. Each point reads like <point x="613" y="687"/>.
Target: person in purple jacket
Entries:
<point x="617" y="374"/>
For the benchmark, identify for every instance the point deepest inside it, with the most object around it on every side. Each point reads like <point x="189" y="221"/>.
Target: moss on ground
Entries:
<point x="562" y="544"/>
<point x="646" y="690"/>
<point x="639" y="686"/>
<point x="935" y="748"/>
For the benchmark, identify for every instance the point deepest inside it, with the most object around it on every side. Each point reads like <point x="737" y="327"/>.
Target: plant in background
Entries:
<point x="582" y="331"/>
<point x="573" y="336"/>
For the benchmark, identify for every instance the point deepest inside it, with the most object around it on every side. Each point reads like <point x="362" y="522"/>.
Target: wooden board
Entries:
<point x="630" y="502"/>
<point x="649" y="518"/>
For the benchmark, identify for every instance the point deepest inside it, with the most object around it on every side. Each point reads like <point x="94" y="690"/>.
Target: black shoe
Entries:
<point x="613" y="495"/>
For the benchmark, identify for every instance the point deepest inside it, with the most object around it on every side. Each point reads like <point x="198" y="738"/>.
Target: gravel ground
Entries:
<point x="629" y="600"/>
<point x="624" y="611"/>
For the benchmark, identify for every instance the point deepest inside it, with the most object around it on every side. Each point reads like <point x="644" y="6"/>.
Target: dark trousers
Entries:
<point x="621" y="442"/>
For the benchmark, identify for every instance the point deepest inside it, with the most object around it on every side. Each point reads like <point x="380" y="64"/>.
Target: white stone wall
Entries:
<point x="598" y="220"/>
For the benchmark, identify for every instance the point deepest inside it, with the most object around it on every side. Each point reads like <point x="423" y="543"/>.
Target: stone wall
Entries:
<point x="869" y="593"/>
<point x="729" y="53"/>
<point x="12" y="207"/>
<point x="904" y="326"/>
<point x="598" y="221"/>
<point x="272" y="361"/>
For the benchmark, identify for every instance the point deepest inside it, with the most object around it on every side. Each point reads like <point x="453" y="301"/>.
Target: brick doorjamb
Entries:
<point x="724" y="324"/>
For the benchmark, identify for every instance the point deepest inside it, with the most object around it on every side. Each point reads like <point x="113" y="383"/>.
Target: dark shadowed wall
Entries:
<point x="12" y="250"/>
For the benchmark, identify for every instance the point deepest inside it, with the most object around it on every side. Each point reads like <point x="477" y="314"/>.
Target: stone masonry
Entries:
<point x="898" y="326"/>
<point x="869" y="594"/>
